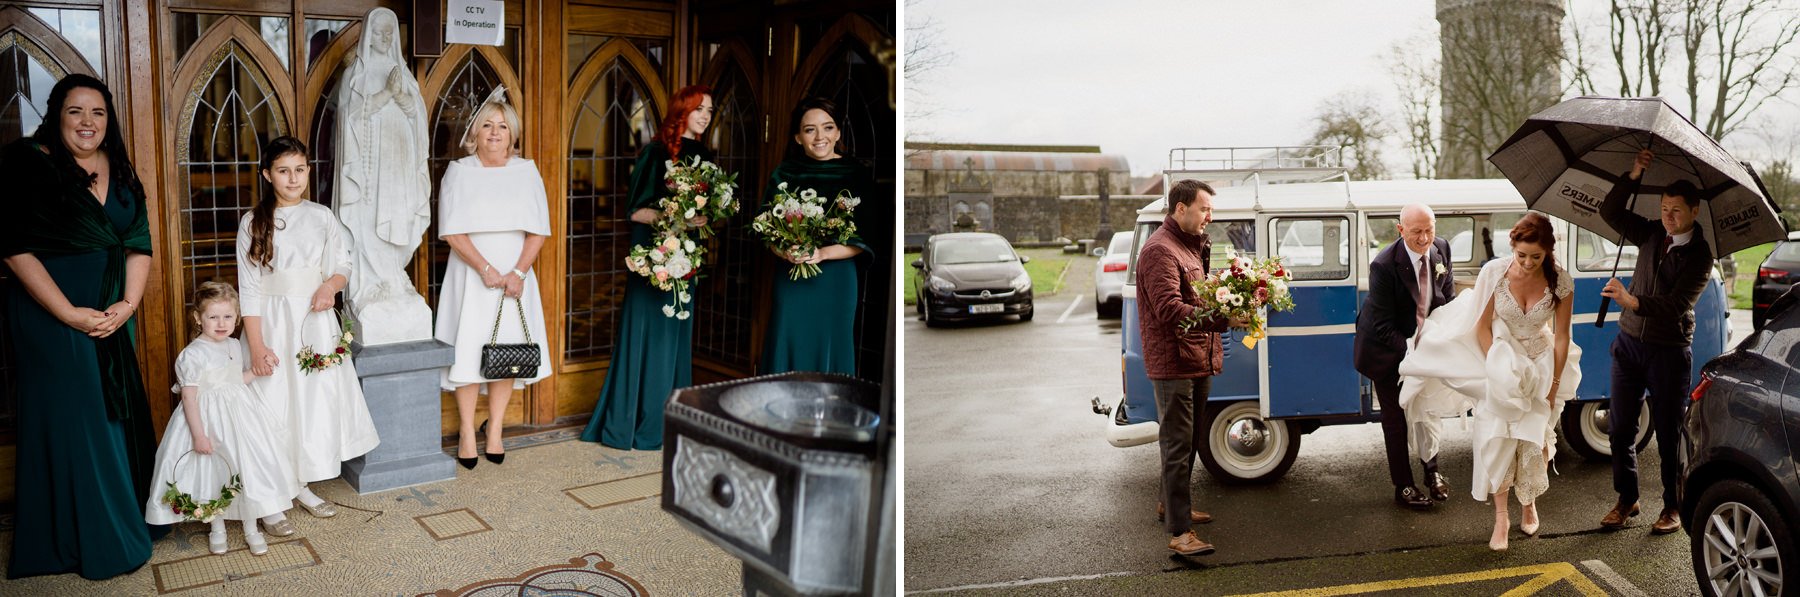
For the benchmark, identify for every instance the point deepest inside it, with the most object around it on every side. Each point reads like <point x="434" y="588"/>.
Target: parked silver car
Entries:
<point x="1109" y="275"/>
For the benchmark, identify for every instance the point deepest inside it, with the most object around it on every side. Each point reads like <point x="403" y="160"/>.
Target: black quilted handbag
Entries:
<point x="507" y="361"/>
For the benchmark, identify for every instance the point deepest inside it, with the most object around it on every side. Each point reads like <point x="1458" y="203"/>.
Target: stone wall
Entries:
<point x="1022" y="219"/>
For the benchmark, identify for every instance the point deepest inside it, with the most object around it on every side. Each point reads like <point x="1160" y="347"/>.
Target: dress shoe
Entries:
<point x="495" y="458"/>
<point x="1528" y="522"/>
<point x="468" y="463"/>
<point x="1440" y="487"/>
<point x="323" y="510"/>
<point x="1194" y="516"/>
<point x="1411" y="497"/>
<point x="281" y="528"/>
<point x="257" y="545"/>
<point x="1189" y="544"/>
<point x="1669" y="522"/>
<point x="215" y="542"/>
<point x="1616" y="518"/>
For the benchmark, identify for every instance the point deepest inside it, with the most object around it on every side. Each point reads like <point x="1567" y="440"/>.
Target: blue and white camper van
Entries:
<point x="1295" y="203"/>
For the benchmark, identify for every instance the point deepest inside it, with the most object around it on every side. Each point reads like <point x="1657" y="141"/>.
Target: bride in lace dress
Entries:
<point x="1515" y="371"/>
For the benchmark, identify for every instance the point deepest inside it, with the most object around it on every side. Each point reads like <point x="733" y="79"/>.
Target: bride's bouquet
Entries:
<point x="669" y="265"/>
<point x="797" y="224"/>
<point x="698" y="188"/>
<point x="1249" y="288"/>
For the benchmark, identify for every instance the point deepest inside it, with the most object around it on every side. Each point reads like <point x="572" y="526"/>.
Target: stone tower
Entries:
<point x="1501" y="64"/>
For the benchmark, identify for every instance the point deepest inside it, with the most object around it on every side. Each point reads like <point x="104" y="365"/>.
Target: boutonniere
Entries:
<point x="1440" y="269"/>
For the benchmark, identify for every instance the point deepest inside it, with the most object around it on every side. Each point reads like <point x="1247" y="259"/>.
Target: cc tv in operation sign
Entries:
<point x="477" y="22"/>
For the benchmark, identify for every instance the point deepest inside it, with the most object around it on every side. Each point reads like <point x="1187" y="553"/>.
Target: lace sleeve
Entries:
<point x="1565" y="284"/>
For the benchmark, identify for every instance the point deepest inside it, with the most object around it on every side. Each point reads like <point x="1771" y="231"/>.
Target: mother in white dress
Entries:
<point x="494" y="214"/>
<point x="1516" y="371"/>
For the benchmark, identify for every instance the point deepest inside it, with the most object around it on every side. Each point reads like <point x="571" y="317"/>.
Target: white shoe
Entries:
<point x="257" y="545"/>
<point x="215" y="542"/>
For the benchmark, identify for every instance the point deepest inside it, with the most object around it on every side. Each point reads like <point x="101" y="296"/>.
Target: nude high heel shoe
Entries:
<point x="1502" y="524"/>
<point x="1528" y="522"/>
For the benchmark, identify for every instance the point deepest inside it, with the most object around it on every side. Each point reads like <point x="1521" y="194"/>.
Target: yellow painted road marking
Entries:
<point x="1542" y="576"/>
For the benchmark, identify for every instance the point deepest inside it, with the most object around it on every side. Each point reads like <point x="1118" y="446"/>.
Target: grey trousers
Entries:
<point x="1180" y="411"/>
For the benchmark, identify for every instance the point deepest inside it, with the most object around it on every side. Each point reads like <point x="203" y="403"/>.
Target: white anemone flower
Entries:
<point x="809" y="194"/>
<point x="668" y="310"/>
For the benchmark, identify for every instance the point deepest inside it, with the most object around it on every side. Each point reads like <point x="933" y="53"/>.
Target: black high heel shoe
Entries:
<point x="468" y="463"/>
<point x="491" y="457"/>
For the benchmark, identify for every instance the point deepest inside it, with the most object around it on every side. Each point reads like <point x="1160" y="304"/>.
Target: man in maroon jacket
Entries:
<point x="1180" y="363"/>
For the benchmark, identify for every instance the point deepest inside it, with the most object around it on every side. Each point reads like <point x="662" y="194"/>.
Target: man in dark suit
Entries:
<point x="1653" y="353"/>
<point x="1407" y="280"/>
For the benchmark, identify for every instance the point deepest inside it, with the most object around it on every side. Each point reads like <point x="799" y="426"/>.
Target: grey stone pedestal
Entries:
<point x="400" y="383"/>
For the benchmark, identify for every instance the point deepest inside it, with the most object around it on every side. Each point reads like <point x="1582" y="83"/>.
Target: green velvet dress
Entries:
<point x="812" y="323"/>
<point x="85" y="441"/>
<point x="652" y="353"/>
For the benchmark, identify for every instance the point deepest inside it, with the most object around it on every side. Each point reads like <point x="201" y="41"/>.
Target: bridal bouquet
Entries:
<point x="669" y="265"/>
<point x="797" y="224"/>
<point x="698" y="188"/>
<point x="1248" y="288"/>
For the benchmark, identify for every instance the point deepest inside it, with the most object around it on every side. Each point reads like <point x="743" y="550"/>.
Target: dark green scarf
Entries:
<point x="54" y="215"/>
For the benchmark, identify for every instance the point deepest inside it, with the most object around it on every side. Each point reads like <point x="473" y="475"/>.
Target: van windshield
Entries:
<point x="991" y="249"/>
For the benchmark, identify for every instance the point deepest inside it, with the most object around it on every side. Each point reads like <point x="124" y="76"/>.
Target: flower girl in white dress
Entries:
<point x="220" y="429"/>
<point x="293" y="259"/>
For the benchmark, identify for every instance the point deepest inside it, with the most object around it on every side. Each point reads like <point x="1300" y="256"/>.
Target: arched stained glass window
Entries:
<point x="722" y="321"/>
<point x="231" y="113"/>
<point x="470" y="83"/>
<point x="614" y="119"/>
<point x="26" y="76"/>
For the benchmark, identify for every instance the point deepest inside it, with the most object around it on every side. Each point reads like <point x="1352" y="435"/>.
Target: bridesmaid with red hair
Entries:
<point x="652" y="353"/>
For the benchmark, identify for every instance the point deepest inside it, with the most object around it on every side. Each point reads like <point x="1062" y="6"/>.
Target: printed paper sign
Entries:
<point x="477" y="22"/>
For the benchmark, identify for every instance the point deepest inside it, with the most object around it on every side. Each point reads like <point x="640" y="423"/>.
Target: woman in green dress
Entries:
<point x="652" y="353"/>
<point x="812" y="325"/>
<point x="76" y="235"/>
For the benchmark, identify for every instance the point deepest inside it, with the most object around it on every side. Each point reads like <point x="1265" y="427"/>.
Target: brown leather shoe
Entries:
<point x="1440" y="487"/>
<point x="1669" y="522"/>
<point x="1616" y="518"/>
<point x="1189" y="544"/>
<point x="1194" y="516"/>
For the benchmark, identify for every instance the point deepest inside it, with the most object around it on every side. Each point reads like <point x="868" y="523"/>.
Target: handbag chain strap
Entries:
<point x="495" y="338"/>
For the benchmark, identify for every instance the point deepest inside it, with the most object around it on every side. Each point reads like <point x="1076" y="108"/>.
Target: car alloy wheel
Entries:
<point x="1742" y="547"/>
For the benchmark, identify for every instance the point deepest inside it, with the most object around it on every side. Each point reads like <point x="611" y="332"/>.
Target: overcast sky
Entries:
<point x="1138" y="78"/>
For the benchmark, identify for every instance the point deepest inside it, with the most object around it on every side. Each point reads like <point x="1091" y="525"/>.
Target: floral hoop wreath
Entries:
<point x="311" y="361"/>
<point x="182" y="503"/>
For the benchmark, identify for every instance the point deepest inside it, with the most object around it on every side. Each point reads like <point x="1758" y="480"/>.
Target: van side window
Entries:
<point x="1315" y="248"/>
<point x="1460" y="231"/>
<point x="1594" y="253"/>
<point x="1230" y="236"/>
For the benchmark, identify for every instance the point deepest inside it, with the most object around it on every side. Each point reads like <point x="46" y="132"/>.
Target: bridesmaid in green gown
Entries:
<point x="75" y="233"/>
<point x="812" y="325"/>
<point x="652" y="353"/>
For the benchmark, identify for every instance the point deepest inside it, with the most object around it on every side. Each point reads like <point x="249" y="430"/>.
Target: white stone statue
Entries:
<point x="383" y="185"/>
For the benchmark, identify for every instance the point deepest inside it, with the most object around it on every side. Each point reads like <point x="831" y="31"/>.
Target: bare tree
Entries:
<point x="1501" y="64"/>
<point x="1732" y="56"/>
<point x="1353" y="120"/>
<point x="924" y="54"/>
<point x="1415" y="66"/>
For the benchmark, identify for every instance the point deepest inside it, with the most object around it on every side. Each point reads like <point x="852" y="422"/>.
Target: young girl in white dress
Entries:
<point x="220" y="418"/>
<point x="292" y="261"/>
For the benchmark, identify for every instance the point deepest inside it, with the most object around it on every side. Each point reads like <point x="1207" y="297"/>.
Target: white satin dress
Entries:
<point x="247" y="438"/>
<point x="1444" y="374"/>
<point x="324" y="411"/>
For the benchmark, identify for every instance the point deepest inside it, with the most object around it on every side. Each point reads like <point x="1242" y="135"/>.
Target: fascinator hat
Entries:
<point x="497" y="100"/>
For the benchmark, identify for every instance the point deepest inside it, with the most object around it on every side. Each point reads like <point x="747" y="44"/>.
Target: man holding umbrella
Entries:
<point x="1656" y="329"/>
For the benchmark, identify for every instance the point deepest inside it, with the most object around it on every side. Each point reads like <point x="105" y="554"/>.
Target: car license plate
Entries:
<point x="994" y="308"/>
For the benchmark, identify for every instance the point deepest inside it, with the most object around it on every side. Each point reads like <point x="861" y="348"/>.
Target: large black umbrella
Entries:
<point x="1565" y="159"/>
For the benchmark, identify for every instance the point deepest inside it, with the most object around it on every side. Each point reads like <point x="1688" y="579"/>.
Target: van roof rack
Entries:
<point x="1256" y="166"/>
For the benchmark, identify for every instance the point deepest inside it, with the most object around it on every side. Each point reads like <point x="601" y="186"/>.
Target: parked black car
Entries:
<point x="1778" y="272"/>
<point x="1740" y="494"/>
<point x="966" y="275"/>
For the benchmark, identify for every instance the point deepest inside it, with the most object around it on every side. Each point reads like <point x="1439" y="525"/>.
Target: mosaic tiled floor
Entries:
<point x="564" y="516"/>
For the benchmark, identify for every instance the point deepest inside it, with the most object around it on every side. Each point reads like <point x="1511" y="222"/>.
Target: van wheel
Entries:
<point x="1243" y="448"/>
<point x="1585" y="428"/>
